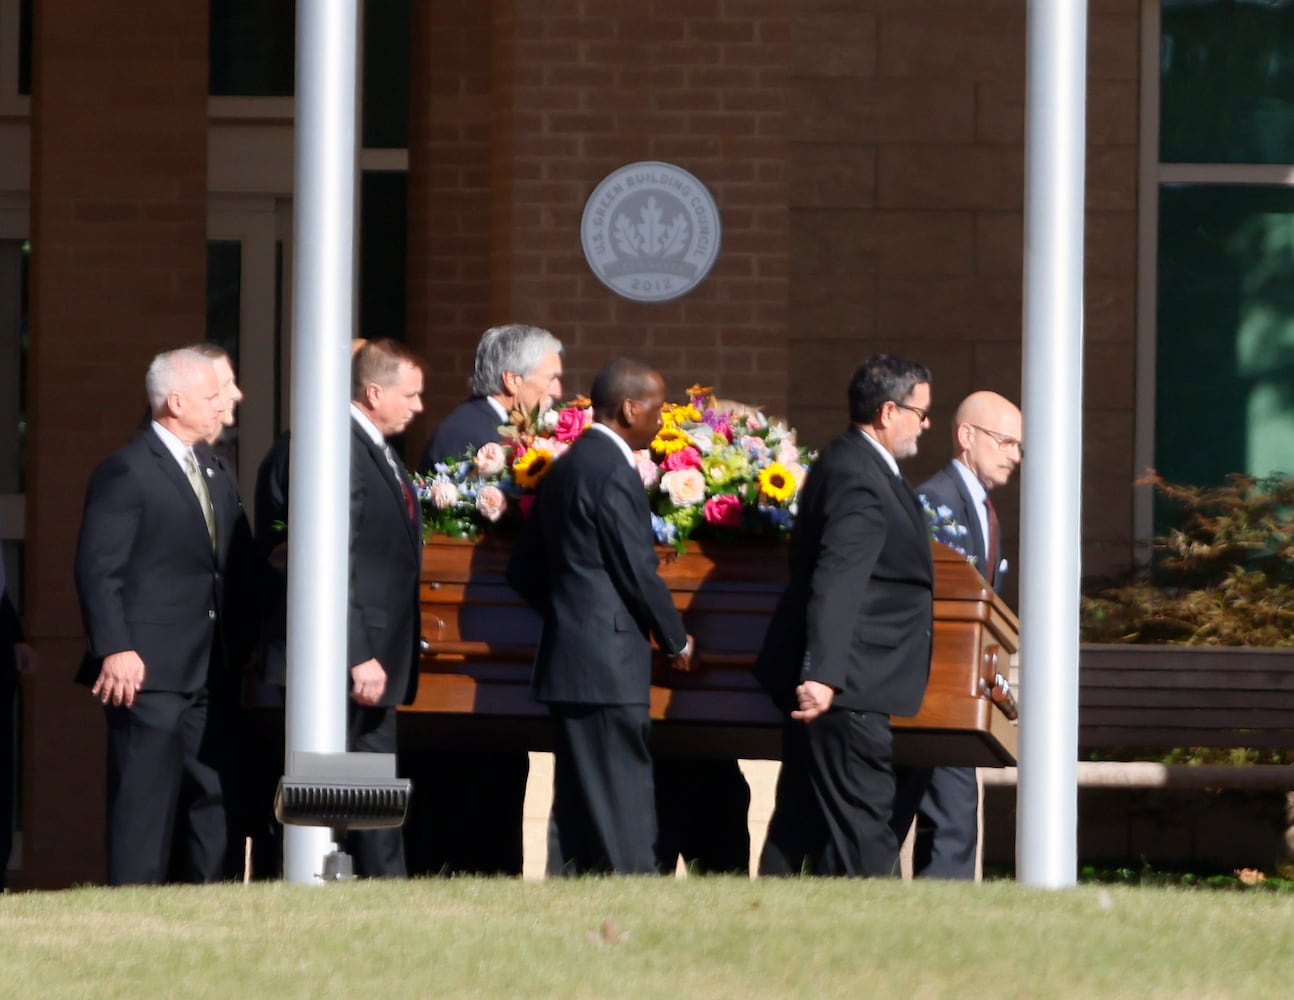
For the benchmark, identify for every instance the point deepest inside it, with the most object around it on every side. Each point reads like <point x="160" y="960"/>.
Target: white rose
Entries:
<point x="491" y="502"/>
<point x="648" y="471"/>
<point x="444" y="494"/>
<point x="685" y="487"/>
<point x="490" y="459"/>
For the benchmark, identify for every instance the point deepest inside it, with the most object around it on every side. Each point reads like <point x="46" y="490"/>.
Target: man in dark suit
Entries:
<point x="469" y="818"/>
<point x="987" y="447"/>
<point x="587" y="563"/>
<point x="157" y="537"/>
<point x="384" y="621"/>
<point x="265" y="698"/>
<point x="517" y="367"/>
<point x="16" y="659"/>
<point x="849" y="642"/>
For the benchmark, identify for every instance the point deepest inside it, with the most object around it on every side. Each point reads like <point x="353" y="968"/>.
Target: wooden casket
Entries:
<point x="479" y="641"/>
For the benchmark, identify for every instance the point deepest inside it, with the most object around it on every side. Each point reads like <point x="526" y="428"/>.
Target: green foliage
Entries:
<point x="1223" y="577"/>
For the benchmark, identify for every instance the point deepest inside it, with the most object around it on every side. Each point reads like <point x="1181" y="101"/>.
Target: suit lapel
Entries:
<point x="377" y="455"/>
<point x="903" y="495"/>
<point x="170" y="468"/>
<point x="970" y="512"/>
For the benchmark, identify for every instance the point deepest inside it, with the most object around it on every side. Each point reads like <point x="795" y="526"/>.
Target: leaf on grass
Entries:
<point x="609" y="933"/>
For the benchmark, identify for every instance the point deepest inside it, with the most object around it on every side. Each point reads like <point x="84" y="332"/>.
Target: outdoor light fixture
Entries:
<point x="344" y="791"/>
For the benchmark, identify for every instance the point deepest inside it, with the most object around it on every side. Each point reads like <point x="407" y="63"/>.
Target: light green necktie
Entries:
<point x="200" y="490"/>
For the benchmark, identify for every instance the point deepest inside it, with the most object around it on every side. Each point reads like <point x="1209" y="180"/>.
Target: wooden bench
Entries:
<point x="1138" y="700"/>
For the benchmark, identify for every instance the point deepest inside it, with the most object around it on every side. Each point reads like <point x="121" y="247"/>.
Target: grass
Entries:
<point x="700" y="937"/>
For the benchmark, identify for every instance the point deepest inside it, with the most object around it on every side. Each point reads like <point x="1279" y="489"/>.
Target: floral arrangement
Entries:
<point x="945" y="528"/>
<point x="715" y="468"/>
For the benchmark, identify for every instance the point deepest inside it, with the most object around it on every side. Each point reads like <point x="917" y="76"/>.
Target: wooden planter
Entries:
<point x="480" y="642"/>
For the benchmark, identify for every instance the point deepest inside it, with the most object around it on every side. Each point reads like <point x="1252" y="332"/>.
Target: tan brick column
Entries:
<point x="118" y="220"/>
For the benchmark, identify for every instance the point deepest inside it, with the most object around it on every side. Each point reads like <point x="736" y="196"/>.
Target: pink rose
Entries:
<point x="557" y="448"/>
<point x="491" y="459"/>
<point x="786" y="452"/>
<point x="571" y="423"/>
<point x="797" y="471"/>
<point x="491" y="502"/>
<point x="724" y="509"/>
<point x="648" y="471"/>
<point x="444" y="494"/>
<point x="684" y="458"/>
<point x="685" y="487"/>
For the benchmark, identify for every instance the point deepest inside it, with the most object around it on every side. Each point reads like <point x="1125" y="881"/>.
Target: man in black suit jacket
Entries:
<point x="469" y="818"/>
<point x="157" y="537"/>
<point x="987" y="431"/>
<point x="517" y="367"/>
<point x="16" y="659"/>
<point x="586" y="561"/>
<point x="849" y="642"/>
<point x="384" y="620"/>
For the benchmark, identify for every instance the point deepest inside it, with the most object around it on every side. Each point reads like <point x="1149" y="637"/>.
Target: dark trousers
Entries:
<point x="604" y="813"/>
<point x="468" y="814"/>
<point x="835" y="797"/>
<point x="702" y="807"/>
<point x="377" y="853"/>
<point x="170" y="772"/>
<point x="8" y="737"/>
<point x="945" y="803"/>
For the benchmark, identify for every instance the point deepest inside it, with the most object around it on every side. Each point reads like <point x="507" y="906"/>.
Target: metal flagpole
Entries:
<point x="1055" y="150"/>
<point x="318" y="503"/>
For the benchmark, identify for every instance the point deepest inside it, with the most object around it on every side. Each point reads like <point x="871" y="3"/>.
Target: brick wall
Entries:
<point x="906" y="203"/>
<point x="578" y="89"/>
<point x="118" y="217"/>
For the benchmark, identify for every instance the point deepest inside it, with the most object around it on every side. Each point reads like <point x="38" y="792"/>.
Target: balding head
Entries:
<point x="987" y="434"/>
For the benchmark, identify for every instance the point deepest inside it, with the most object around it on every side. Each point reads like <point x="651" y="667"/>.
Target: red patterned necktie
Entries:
<point x="399" y="478"/>
<point x="994" y="541"/>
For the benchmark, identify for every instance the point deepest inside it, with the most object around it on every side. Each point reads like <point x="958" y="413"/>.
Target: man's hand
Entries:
<point x="24" y="657"/>
<point x="814" y="698"/>
<point x="682" y="660"/>
<point x="368" y="682"/>
<point x="120" y="677"/>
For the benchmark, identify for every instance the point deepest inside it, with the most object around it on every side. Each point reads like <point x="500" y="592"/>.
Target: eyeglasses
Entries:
<point x="1004" y="443"/>
<point x="922" y="415"/>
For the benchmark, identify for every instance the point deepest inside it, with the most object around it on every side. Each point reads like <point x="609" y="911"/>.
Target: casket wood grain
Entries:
<point x="480" y="639"/>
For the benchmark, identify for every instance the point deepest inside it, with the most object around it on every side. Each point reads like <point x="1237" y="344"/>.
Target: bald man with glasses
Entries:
<point x="987" y="447"/>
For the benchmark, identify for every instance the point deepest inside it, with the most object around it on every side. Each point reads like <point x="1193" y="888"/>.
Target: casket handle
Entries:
<point x="995" y="687"/>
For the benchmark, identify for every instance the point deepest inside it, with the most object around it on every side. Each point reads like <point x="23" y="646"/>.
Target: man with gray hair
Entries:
<point x="468" y="818"/>
<point x="156" y="540"/>
<point x="518" y="368"/>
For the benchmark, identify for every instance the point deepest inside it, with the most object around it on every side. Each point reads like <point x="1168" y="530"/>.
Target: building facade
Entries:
<point x="866" y="158"/>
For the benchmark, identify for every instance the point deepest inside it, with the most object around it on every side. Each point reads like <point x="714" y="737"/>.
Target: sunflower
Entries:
<point x="776" y="482"/>
<point x="532" y="467"/>
<point x="669" y="440"/>
<point x="675" y="414"/>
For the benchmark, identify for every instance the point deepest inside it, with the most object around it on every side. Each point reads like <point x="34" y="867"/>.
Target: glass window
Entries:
<point x="15" y="259"/>
<point x="387" y="31"/>
<point x="382" y="254"/>
<point x="224" y="312"/>
<point x="1225" y="352"/>
<point x="1227" y="81"/>
<point x="24" y="46"/>
<point x="252" y="48"/>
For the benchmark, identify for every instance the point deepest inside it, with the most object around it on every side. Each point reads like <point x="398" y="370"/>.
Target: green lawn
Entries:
<point x="699" y="937"/>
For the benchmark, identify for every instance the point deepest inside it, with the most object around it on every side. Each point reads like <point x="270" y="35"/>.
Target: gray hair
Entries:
<point x="173" y="371"/>
<point x="513" y="348"/>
